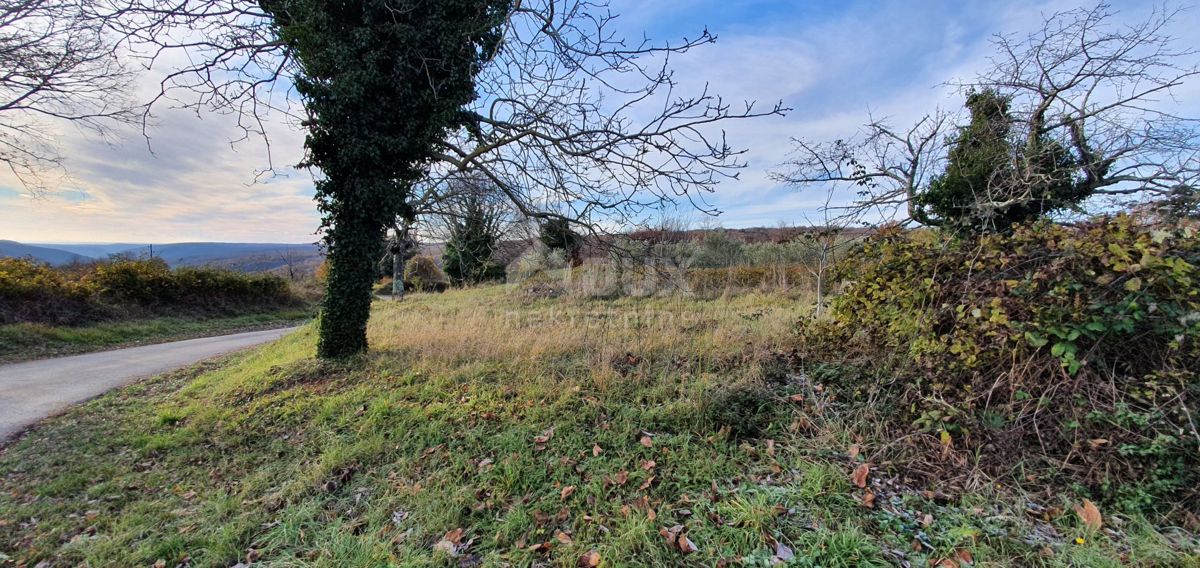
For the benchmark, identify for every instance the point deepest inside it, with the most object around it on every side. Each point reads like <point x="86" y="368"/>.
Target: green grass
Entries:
<point x="477" y="411"/>
<point x="24" y="341"/>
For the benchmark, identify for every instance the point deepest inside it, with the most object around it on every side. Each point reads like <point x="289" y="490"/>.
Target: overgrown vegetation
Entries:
<point x="1052" y="356"/>
<point x="484" y="429"/>
<point x="422" y="274"/>
<point x="123" y="289"/>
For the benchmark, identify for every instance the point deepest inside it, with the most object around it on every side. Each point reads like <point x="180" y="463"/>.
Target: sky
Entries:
<point x="832" y="62"/>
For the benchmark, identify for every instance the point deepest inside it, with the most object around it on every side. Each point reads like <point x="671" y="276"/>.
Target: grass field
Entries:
<point x="24" y="341"/>
<point x="483" y="429"/>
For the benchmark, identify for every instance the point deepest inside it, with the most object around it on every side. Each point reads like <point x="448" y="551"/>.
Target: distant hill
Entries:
<point x="94" y="250"/>
<point x="54" y="256"/>
<point x="284" y="258"/>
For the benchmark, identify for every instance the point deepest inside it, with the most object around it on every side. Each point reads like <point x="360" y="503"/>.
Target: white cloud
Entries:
<point x="833" y="63"/>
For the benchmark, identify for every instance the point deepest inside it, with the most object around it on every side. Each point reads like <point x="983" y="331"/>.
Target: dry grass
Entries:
<point x="544" y="430"/>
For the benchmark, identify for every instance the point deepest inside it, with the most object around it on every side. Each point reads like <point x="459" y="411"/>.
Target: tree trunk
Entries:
<point x="398" y="253"/>
<point x="354" y="246"/>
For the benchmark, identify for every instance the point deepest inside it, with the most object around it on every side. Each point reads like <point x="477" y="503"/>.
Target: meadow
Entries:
<point x="487" y="427"/>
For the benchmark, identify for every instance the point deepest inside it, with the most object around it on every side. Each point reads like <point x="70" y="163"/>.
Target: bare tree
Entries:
<point x="1088" y="96"/>
<point x="568" y="114"/>
<point x="55" y="66"/>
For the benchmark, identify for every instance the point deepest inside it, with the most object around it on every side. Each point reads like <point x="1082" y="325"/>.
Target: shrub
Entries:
<point x="122" y="288"/>
<point x="1071" y="353"/>
<point x="32" y="291"/>
<point x="422" y="274"/>
<point x="537" y="259"/>
<point x="141" y="281"/>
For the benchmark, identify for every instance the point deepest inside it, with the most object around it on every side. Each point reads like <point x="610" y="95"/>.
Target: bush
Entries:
<point x="536" y="260"/>
<point x="1070" y="353"/>
<point x="123" y="288"/>
<point x="140" y="281"/>
<point x="422" y="274"/>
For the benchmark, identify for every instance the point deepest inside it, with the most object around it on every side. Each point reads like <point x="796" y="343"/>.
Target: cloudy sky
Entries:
<point x="833" y="62"/>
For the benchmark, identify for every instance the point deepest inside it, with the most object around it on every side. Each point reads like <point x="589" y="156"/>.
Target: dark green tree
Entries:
<point x="383" y="81"/>
<point x="557" y="234"/>
<point x="475" y="224"/>
<point x="992" y="181"/>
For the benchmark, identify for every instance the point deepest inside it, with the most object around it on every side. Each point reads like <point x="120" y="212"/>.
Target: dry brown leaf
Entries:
<point x="686" y="545"/>
<point x="540" y="547"/>
<point x="596" y="451"/>
<point x="796" y="398"/>
<point x="566" y="492"/>
<point x="646" y="484"/>
<point x="860" y="475"/>
<point x="621" y="478"/>
<point x="678" y="539"/>
<point x="964" y="556"/>
<point x="854" y="450"/>
<point x="868" y="500"/>
<point x="646" y="441"/>
<point x="1090" y="515"/>
<point x="649" y="465"/>
<point x="770" y="447"/>
<point x="946" y="563"/>
<point x="590" y="559"/>
<point x="160" y="563"/>
<point x="562" y="537"/>
<point x="927" y="520"/>
<point x="545" y="437"/>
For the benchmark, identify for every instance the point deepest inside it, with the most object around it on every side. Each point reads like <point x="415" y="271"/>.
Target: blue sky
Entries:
<point x="832" y="62"/>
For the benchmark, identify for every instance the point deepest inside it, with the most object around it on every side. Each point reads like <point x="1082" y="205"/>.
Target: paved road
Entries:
<point x="33" y="390"/>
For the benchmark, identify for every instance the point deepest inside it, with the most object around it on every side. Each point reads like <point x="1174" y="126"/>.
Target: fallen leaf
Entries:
<point x="868" y="500"/>
<point x="770" y="447"/>
<point x="449" y="543"/>
<point x="946" y="563"/>
<point x="649" y="465"/>
<point x="562" y="537"/>
<point x="686" y="545"/>
<point x="783" y="553"/>
<point x="964" y="556"/>
<point x="678" y="539"/>
<point x="646" y="484"/>
<point x="566" y="492"/>
<point x="596" y="451"/>
<point x="796" y="398"/>
<point x="854" y="450"/>
<point x="160" y="563"/>
<point x="646" y="441"/>
<point x="252" y="556"/>
<point x="540" y="547"/>
<point x="621" y="478"/>
<point x="1090" y="515"/>
<point x="545" y="437"/>
<point x="927" y="520"/>
<point x="860" y="475"/>
<point x="590" y="559"/>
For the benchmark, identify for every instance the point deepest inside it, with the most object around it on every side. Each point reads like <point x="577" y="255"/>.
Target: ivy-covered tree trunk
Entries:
<point x="354" y="245"/>
<point x="384" y="83"/>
